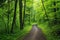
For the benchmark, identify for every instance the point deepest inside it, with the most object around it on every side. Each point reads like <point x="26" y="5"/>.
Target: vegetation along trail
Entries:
<point x="35" y="34"/>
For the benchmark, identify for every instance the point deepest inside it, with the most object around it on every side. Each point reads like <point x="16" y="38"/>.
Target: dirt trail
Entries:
<point x="35" y="34"/>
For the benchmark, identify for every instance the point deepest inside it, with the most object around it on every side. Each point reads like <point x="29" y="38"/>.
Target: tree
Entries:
<point x="20" y="14"/>
<point x="44" y="9"/>
<point x="14" y="18"/>
<point x="8" y="15"/>
<point x="24" y="12"/>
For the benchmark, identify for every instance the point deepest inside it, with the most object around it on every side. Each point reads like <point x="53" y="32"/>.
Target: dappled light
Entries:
<point x="29" y="19"/>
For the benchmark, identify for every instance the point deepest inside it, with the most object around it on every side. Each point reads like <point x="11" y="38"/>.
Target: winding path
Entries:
<point x="35" y="34"/>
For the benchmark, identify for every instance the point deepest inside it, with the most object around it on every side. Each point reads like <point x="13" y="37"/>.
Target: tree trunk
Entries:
<point x="24" y="12"/>
<point x="45" y="10"/>
<point x="20" y="14"/>
<point x="8" y="16"/>
<point x="14" y="18"/>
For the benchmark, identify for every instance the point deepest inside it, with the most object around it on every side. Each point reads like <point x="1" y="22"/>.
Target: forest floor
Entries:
<point x="35" y="34"/>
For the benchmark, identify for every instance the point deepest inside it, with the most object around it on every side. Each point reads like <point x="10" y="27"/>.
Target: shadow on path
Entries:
<point x="35" y="34"/>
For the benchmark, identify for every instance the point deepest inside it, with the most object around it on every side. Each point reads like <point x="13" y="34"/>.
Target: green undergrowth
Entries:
<point x="24" y="32"/>
<point x="49" y="31"/>
<point x="19" y="35"/>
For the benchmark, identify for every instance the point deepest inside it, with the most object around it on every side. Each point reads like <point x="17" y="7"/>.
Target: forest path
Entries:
<point x="35" y="34"/>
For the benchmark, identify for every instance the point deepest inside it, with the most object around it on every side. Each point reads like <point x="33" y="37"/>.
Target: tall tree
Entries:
<point x="8" y="16"/>
<point x="44" y="9"/>
<point x="24" y="12"/>
<point x="20" y="14"/>
<point x="14" y="18"/>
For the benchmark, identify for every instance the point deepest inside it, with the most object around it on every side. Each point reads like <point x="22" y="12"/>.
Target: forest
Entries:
<point x="29" y="19"/>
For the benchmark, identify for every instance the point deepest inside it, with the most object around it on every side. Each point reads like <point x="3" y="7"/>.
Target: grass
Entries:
<point x="24" y="32"/>
<point x="20" y="34"/>
<point x="48" y="31"/>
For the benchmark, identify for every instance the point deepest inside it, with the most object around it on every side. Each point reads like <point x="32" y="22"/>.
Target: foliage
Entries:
<point x="45" y="13"/>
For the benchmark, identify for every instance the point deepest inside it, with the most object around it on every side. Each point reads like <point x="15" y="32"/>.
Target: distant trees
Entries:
<point x="45" y="10"/>
<point x="14" y="17"/>
<point x="27" y="12"/>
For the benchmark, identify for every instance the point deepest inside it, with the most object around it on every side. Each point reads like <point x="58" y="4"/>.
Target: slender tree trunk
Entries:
<point x="24" y="12"/>
<point x="8" y="16"/>
<point x="20" y="14"/>
<point x="45" y="10"/>
<point x="14" y="18"/>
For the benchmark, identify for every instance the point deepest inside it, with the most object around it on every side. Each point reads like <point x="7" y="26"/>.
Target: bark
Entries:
<point x="14" y="18"/>
<point x="8" y="16"/>
<point x="20" y="14"/>
<point x="24" y="12"/>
